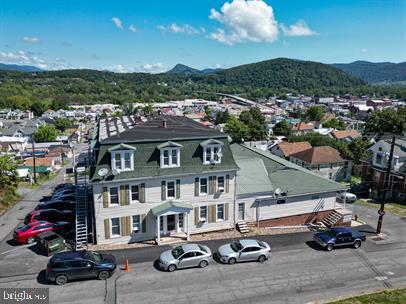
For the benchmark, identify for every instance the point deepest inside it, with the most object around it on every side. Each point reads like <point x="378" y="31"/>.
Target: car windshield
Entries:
<point x="202" y="248"/>
<point x="25" y="228"/>
<point x="177" y="252"/>
<point x="236" y="246"/>
<point x="94" y="256"/>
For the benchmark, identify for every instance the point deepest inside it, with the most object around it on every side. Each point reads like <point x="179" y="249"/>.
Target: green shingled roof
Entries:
<point x="170" y="205"/>
<point x="252" y="177"/>
<point x="282" y="173"/>
<point x="38" y="169"/>
<point x="147" y="157"/>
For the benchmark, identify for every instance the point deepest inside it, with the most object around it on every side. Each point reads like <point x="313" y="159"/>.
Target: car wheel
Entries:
<point x="232" y="261"/>
<point x="30" y="240"/>
<point x="103" y="275"/>
<point x="329" y="247"/>
<point x="203" y="264"/>
<point x="61" y="279"/>
<point x="261" y="259"/>
<point x="357" y="244"/>
<point x="171" y="268"/>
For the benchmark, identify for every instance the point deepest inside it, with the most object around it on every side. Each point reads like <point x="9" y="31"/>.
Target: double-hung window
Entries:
<point x="220" y="183"/>
<point x="122" y="160"/>
<point x="170" y="157"/>
<point x="127" y="160"/>
<point x="135" y="193"/>
<point x="212" y="154"/>
<point x="203" y="186"/>
<point x="115" y="227"/>
<point x="117" y="161"/>
<point x="170" y="189"/>
<point x="114" y="196"/>
<point x="220" y="212"/>
<point x="136" y="223"/>
<point x="203" y="213"/>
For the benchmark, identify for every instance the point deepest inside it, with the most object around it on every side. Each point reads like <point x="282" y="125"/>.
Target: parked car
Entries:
<point x="74" y="265"/>
<point x="339" y="236"/>
<point x="185" y="256"/>
<point x="64" y="186"/>
<point x="64" y="197"/>
<point x="50" y="215"/>
<point x="57" y="204"/>
<point x="244" y="250"/>
<point x="64" y="192"/>
<point x="348" y="197"/>
<point x="27" y="233"/>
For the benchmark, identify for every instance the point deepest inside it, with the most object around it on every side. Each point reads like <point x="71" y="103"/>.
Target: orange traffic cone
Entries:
<point x="127" y="268"/>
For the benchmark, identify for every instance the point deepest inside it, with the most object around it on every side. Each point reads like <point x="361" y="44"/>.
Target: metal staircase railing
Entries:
<point x="317" y="208"/>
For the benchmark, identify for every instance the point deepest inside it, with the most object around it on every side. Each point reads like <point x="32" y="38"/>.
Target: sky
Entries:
<point x="154" y="35"/>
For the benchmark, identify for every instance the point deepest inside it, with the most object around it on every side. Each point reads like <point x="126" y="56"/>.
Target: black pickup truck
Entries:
<point x="339" y="236"/>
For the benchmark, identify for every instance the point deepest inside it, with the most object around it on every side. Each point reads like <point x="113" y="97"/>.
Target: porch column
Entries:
<point x="177" y="223"/>
<point x="158" y="233"/>
<point x="186" y="223"/>
<point x="165" y="221"/>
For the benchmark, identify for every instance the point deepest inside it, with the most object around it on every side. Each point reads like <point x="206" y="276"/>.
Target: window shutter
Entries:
<point x="227" y="183"/>
<point x="144" y="223"/>
<point x="211" y="188"/>
<point x="196" y="186"/>
<point x="128" y="225"/>
<point x="123" y="226"/>
<point x="178" y="188"/>
<point x="214" y="184"/>
<point x="226" y="211"/>
<point x="196" y="215"/>
<point x="127" y="194"/>
<point x="142" y="193"/>
<point x="106" y="229"/>
<point x="122" y="195"/>
<point x="212" y="213"/>
<point x="163" y="190"/>
<point x="105" y="197"/>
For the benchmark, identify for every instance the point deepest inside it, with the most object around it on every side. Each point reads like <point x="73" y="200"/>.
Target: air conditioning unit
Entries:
<point x="221" y="189"/>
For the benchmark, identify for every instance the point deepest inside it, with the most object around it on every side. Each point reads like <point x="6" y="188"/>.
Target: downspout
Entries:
<point x="235" y="200"/>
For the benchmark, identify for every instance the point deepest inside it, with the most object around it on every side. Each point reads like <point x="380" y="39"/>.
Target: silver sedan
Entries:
<point x="244" y="250"/>
<point x="184" y="256"/>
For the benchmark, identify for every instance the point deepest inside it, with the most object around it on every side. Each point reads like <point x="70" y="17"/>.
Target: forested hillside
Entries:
<point x="58" y="89"/>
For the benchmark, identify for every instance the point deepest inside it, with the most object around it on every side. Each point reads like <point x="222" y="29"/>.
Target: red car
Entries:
<point x="27" y="233"/>
<point x="50" y="215"/>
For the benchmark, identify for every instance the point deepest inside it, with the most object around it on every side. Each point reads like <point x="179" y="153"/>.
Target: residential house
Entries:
<point x="16" y="144"/>
<point x="166" y="176"/>
<point x="325" y="161"/>
<point x="284" y="149"/>
<point x="271" y="191"/>
<point x="47" y="162"/>
<point x="373" y="170"/>
<point x="347" y="135"/>
<point x="301" y="128"/>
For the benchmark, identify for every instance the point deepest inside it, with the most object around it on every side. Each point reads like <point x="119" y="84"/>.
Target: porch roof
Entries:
<point x="167" y="206"/>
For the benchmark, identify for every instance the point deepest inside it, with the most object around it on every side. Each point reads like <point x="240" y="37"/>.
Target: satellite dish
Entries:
<point x="115" y="171"/>
<point x="103" y="172"/>
<point x="278" y="191"/>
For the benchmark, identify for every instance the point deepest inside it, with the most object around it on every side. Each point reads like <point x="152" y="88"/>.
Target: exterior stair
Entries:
<point x="332" y="218"/>
<point x="242" y="227"/>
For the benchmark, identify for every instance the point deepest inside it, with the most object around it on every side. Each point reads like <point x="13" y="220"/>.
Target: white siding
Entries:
<point x="295" y="205"/>
<point x="153" y="199"/>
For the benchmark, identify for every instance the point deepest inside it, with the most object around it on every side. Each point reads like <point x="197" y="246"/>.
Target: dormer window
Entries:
<point x="170" y="154"/>
<point x="212" y="151"/>
<point x="122" y="157"/>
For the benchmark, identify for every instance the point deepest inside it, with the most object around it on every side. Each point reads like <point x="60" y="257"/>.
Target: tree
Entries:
<point x="222" y="117"/>
<point x="208" y="111"/>
<point x="281" y="128"/>
<point x="148" y="109"/>
<point x="315" y="113"/>
<point x="389" y="120"/>
<point x="38" y="108"/>
<point x="334" y="123"/>
<point x="63" y="123"/>
<point x="236" y="129"/>
<point x="255" y="122"/>
<point x="45" y="133"/>
<point x="8" y="172"/>
<point x="359" y="149"/>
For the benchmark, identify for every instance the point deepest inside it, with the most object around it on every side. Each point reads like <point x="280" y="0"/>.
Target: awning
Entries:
<point x="174" y="206"/>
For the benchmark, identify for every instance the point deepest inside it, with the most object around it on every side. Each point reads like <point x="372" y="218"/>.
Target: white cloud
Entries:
<point x="364" y="50"/>
<point x="145" y="68"/>
<point x="132" y="28"/>
<point x="181" y="29"/>
<point x="31" y="39"/>
<point x="29" y="58"/>
<point x="298" y="29"/>
<point x="245" y="21"/>
<point x="117" y="22"/>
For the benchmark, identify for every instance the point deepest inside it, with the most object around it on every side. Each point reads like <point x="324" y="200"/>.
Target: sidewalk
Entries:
<point x="16" y="214"/>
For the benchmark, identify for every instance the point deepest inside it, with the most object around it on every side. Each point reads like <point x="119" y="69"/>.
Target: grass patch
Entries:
<point x="397" y="296"/>
<point x="392" y="207"/>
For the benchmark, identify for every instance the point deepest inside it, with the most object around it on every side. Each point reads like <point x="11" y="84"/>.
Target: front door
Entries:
<point x="171" y="223"/>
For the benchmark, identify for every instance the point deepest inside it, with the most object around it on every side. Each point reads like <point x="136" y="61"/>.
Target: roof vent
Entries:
<point x="164" y="123"/>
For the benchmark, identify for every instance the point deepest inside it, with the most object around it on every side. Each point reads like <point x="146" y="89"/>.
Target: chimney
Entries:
<point x="164" y="123"/>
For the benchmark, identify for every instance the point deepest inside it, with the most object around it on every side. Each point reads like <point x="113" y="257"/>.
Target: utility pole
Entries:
<point x="381" y="211"/>
<point x="33" y="160"/>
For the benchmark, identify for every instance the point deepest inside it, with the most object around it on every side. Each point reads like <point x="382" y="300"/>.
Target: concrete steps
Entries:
<point x="243" y="227"/>
<point x="332" y="218"/>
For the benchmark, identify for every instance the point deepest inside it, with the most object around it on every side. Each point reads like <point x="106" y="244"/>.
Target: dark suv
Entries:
<point x="77" y="265"/>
